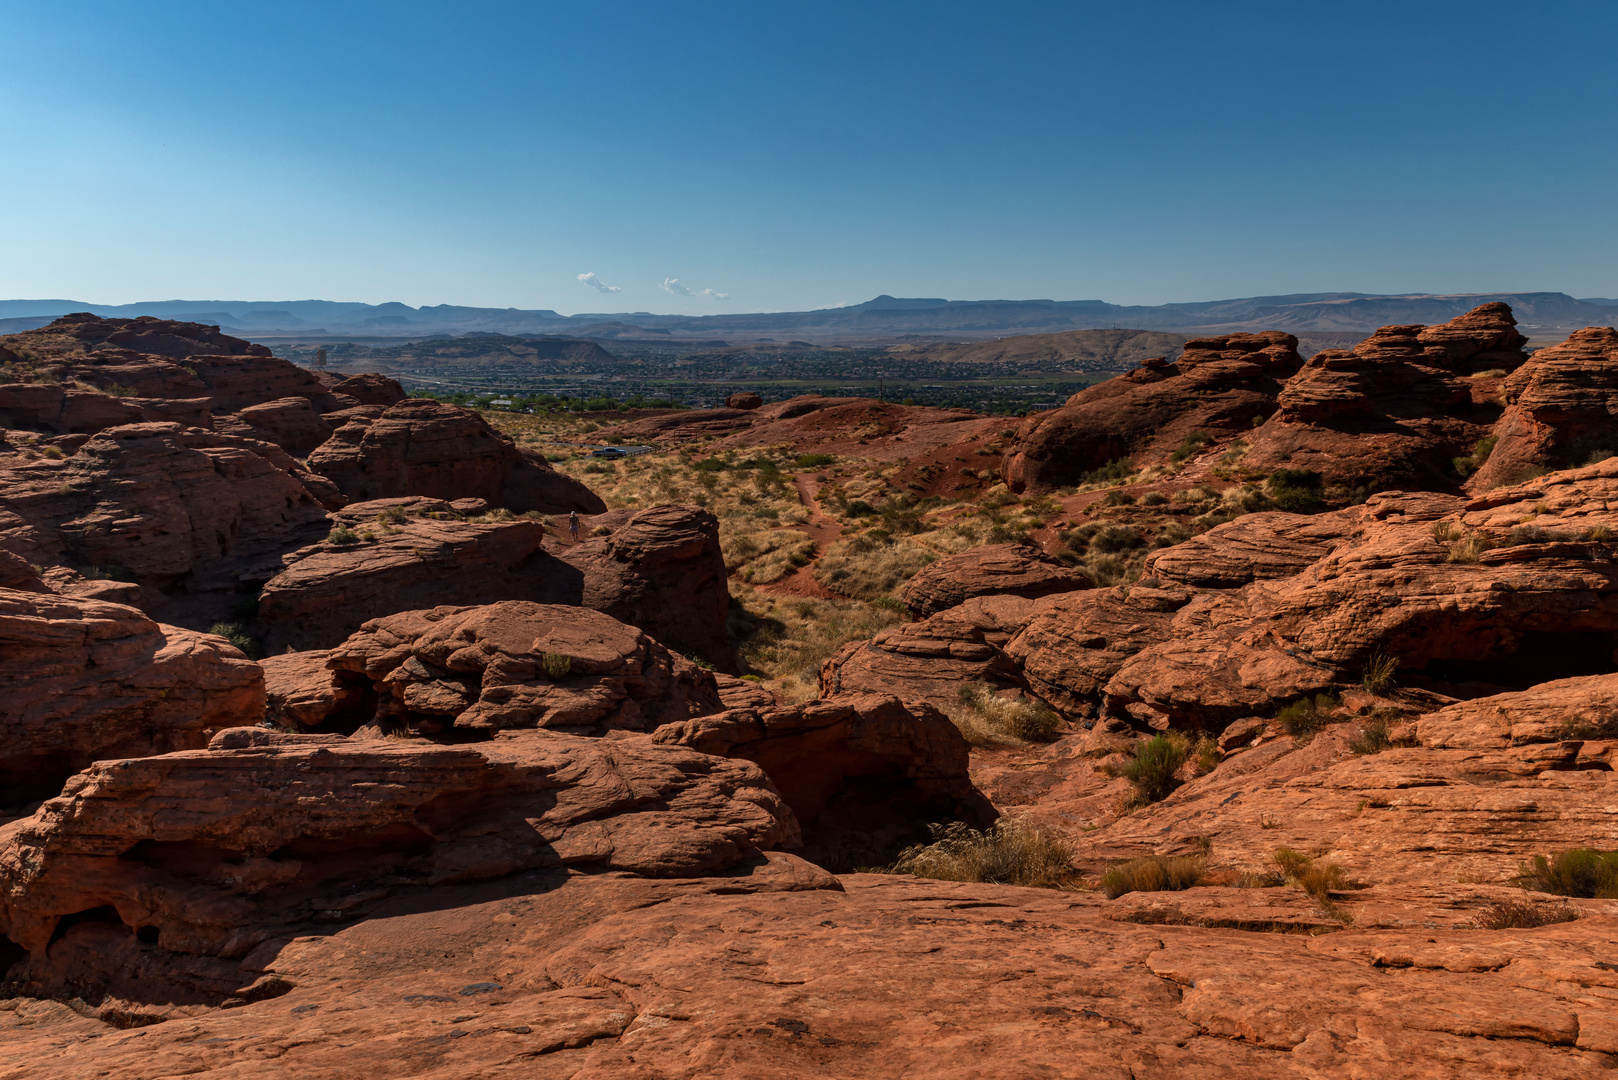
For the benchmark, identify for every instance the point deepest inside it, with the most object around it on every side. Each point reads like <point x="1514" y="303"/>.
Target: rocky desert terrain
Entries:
<point x="1247" y="715"/>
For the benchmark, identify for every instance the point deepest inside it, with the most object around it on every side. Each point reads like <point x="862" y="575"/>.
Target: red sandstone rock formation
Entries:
<point x="84" y="680"/>
<point x="993" y="570"/>
<point x="1395" y="411"/>
<point x="747" y="400"/>
<point x="182" y="510"/>
<point x="931" y="660"/>
<point x="518" y="664"/>
<point x="1219" y="385"/>
<point x="186" y="862"/>
<point x="420" y="447"/>
<point x="661" y="570"/>
<point x="658" y="569"/>
<point x="1559" y="409"/>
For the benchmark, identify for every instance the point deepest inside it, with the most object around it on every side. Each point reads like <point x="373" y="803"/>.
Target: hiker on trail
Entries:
<point x="573" y="524"/>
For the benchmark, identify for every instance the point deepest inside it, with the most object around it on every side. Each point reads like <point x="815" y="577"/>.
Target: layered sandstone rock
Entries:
<point x="370" y="388"/>
<point x="186" y="862"/>
<point x="181" y="510"/>
<point x="442" y="451"/>
<point x="84" y="680"/>
<point x="932" y="659"/>
<point x="292" y="423"/>
<point x="517" y="664"/>
<point x="658" y="569"/>
<point x="992" y="570"/>
<point x="747" y="400"/>
<point x="1395" y="411"/>
<point x="860" y="771"/>
<point x="1559" y="409"/>
<point x="1254" y="547"/>
<point x="1219" y="385"/>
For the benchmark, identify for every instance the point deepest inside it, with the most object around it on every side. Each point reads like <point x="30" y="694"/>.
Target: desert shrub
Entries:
<point x="1152" y="873"/>
<point x="710" y="465"/>
<point x="556" y="665"/>
<point x="861" y="508"/>
<point x="392" y="515"/>
<point x="1375" y="733"/>
<point x="1316" y="877"/>
<point x="1152" y="766"/>
<point x="1295" y="490"/>
<point x="1469" y="548"/>
<point x="1079" y="538"/>
<point x="1598" y="456"/>
<point x="1445" y="531"/>
<point x="1118" y="498"/>
<point x="1533" y="534"/>
<point x="1205" y="755"/>
<point x="1471" y="463"/>
<point x="1524" y="914"/>
<point x="342" y="535"/>
<point x="813" y="461"/>
<point x="1201" y="493"/>
<point x="1153" y="498"/>
<point x="872" y="565"/>
<point x="986" y="719"/>
<point x="237" y="635"/>
<point x="1261" y="879"/>
<point x="790" y="641"/>
<point x="1115" y="538"/>
<point x="1192" y="446"/>
<point x="1582" y="872"/>
<point x="1107" y="570"/>
<point x="1010" y="852"/>
<point x="1304" y="717"/>
<point x="53" y="452"/>
<point x="1172" y="533"/>
<point x="1113" y="472"/>
<point x="1378" y="675"/>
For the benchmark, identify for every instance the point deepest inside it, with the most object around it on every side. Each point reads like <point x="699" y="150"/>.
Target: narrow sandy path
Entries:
<point x="822" y="530"/>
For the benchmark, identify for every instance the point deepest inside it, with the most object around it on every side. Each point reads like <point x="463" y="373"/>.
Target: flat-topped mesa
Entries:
<point x="1220" y="385"/>
<point x="1396" y="410"/>
<point x="431" y="448"/>
<point x="1559" y="410"/>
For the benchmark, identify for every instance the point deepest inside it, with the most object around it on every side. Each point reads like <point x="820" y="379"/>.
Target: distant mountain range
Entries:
<point x="884" y="319"/>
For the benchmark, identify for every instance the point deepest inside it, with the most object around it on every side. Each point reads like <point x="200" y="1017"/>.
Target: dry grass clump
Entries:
<point x="1379" y="672"/>
<point x="865" y="567"/>
<point x="766" y="555"/>
<point x="988" y="720"/>
<point x="1471" y="463"/>
<point x="1152" y="873"/>
<point x="1009" y="852"/>
<point x="1316" y="877"/>
<point x="1582" y="872"/>
<point x="787" y="639"/>
<point x="1375" y="733"/>
<point x="1524" y="914"/>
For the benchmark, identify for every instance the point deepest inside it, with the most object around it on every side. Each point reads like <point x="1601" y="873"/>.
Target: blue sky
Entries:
<point x="803" y="155"/>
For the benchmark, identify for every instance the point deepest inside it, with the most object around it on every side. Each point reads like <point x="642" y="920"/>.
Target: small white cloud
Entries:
<point x="596" y="283"/>
<point x="673" y="285"/>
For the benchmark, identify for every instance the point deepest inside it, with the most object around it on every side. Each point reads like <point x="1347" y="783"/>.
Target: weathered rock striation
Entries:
<point x="83" y="680"/>
<point x="442" y="451"/>
<point x="1219" y="385"/>
<point x="1560" y="409"/>
<point x="992" y="570"/>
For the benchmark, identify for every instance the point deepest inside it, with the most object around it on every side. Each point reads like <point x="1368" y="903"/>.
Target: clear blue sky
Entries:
<point x="803" y="155"/>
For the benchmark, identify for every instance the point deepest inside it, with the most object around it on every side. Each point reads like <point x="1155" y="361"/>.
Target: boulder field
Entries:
<point x="485" y="811"/>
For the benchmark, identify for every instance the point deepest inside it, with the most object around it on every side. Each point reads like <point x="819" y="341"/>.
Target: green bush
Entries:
<point x="1153" y="763"/>
<point x="813" y="461"/>
<point x="712" y="464"/>
<point x="1466" y="466"/>
<point x="1192" y="446"/>
<point x="343" y="535"/>
<point x="1152" y="873"/>
<point x="557" y="665"/>
<point x="1582" y="872"/>
<point x="1113" y="472"/>
<point x="1306" y="716"/>
<point x="1296" y="491"/>
<point x="237" y="635"/>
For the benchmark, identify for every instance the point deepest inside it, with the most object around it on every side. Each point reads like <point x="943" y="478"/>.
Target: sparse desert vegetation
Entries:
<point x="1009" y="852"/>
